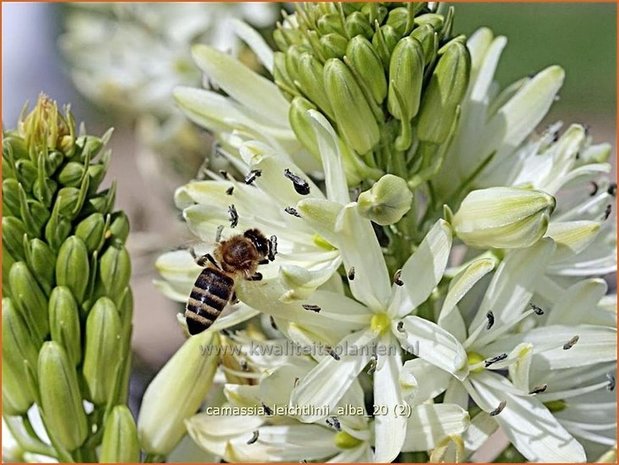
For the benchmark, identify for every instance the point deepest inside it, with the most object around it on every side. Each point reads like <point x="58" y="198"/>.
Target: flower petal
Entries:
<point x="255" y="41"/>
<point x="432" y="343"/>
<point x="533" y="430"/>
<point x="429" y="424"/>
<point x="423" y="270"/>
<point x="389" y="429"/>
<point x="576" y="302"/>
<point x="325" y="385"/>
<point x="422" y="380"/>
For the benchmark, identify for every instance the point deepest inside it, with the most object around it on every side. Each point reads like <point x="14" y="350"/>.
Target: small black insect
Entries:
<point x="292" y="211"/>
<point x="499" y="409"/>
<point x="234" y="216"/>
<point x="311" y="308"/>
<point x="571" y="343"/>
<point x="490" y="317"/>
<point x="493" y="360"/>
<point x="300" y="185"/>
<point x="252" y="175"/>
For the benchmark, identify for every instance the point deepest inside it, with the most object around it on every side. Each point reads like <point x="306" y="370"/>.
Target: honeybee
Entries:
<point x="235" y="258"/>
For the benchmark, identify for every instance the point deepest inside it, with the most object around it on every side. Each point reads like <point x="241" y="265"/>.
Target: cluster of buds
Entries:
<point x="388" y="77"/>
<point x="67" y="304"/>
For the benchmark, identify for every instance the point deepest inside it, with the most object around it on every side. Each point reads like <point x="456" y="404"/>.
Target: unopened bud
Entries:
<point x="71" y="175"/>
<point x="333" y="45"/>
<point x="387" y="201"/>
<point x="90" y="230"/>
<point x="40" y="257"/>
<point x="18" y="349"/>
<point x="29" y="299"/>
<point x="102" y="352"/>
<point x="311" y="80"/>
<point x="301" y="124"/>
<point x="120" y="438"/>
<point x="503" y="217"/>
<point x="446" y="90"/>
<point x="353" y="114"/>
<point x="365" y="61"/>
<point x="13" y="231"/>
<point x="61" y="403"/>
<point x="188" y="375"/>
<point x="119" y="228"/>
<point x="427" y="37"/>
<point x="73" y="267"/>
<point x="64" y="322"/>
<point x="330" y="23"/>
<point x="115" y="271"/>
<point x="358" y="24"/>
<point x="384" y="41"/>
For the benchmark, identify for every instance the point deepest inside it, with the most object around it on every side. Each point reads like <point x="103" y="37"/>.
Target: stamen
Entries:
<point x="595" y="188"/>
<point x="220" y="229"/>
<point x="536" y="309"/>
<point x="252" y="175"/>
<point x="612" y="189"/>
<point x="499" y="409"/>
<point x="571" y="343"/>
<point x="267" y="409"/>
<point x="230" y="190"/>
<point x="224" y="174"/>
<point x="334" y="423"/>
<point x="490" y="317"/>
<point x="254" y="438"/>
<point x="334" y="355"/>
<point x="351" y="273"/>
<point x="400" y="326"/>
<point x="493" y="360"/>
<point x="234" y="216"/>
<point x="538" y="389"/>
<point x="292" y="211"/>
<point x="273" y="324"/>
<point x="396" y="278"/>
<point x="296" y="382"/>
<point x="607" y="212"/>
<point x="373" y="362"/>
<point x="611" y="382"/>
<point x="300" y="185"/>
<point x="311" y="307"/>
<point x="272" y="247"/>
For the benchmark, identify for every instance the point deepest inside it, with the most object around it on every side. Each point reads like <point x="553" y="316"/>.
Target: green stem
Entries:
<point x="154" y="458"/>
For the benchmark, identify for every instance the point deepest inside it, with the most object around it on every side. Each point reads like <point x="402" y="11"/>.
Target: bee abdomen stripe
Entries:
<point x="203" y="309"/>
<point x="199" y="319"/>
<point x="215" y="282"/>
<point x="205" y="295"/>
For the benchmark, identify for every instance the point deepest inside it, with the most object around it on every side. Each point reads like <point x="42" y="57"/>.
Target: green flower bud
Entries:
<point x="96" y="173"/>
<point x="120" y="438"/>
<point x="64" y="322"/>
<point x="102" y="202"/>
<point x="406" y="79"/>
<point x="26" y="173"/>
<point x="433" y="19"/>
<point x="446" y="90"/>
<point x="311" y="82"/>
<point x="7" y="263"/>
<point x="301" y="124"/>
<point x="353" y="114"/>
<point x="400" y="20"/>
<point x="71" y="200"/>
<point x="333" y="45"/>
<point x="188" y="375"/>
<point x="61" y="403"/>
<point x="115" y="271"/>
<point x="10" y="197"/>
<point x="375" y="12"/>
<point x="40" y="257"/>
<point x="91" y="230"/>
<point x="29" y="299"/>
<point x="358" y="24"/>
<point x="91" y="145"/>
<point x="44" y="187"/>
<point x="73" y="267"/>
<point x="503" y="217"/>
<point x="387" y="201"/>
<point x="13" y="231"/>
<point x="384" y="41"/>
<point x="293" y="57"/>
<point x="281" y="77"/>
<point x="18" y="349"/>
<point x="330" y="23"/>
<point x="33" y="214"/>
<point x="102" y="352"/>
<point x="71" y="175"/>
<point x="428" y="39"/>
<point x="119" y="228"/>
<point x="362" y="57"/>
<point x="57" y="229"/>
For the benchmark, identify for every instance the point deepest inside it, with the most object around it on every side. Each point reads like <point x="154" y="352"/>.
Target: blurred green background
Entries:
<point x="579" y="37"/>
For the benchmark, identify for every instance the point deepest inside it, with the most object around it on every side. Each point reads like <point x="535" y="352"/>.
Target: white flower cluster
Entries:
<point x="497" y="318"/>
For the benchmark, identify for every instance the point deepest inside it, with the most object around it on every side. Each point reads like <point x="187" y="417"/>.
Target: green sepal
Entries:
<point x="115" y="271"/>
<point x="91" y="230"/>
<point x="120" y="438"/>
<point x="41" y="261"/>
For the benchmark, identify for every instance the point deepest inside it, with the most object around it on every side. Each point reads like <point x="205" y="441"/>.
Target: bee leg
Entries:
<point x="256" y="277"/>
<point x="264" y="261"/>
<point x="234" y="299"/>
<point x="205" y="259"/>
